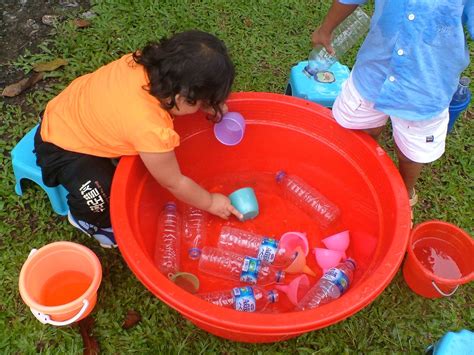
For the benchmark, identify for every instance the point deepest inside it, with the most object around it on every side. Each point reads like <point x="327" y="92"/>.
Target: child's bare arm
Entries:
<point x="165" y="169"/>
<point x="336" y="14"/>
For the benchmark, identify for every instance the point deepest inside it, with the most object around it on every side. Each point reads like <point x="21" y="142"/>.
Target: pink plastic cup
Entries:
<point x="230" y="130"/>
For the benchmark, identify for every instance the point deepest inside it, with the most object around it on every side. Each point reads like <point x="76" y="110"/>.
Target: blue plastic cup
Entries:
<point x="455" y="110"/>
<point x="245" y="201"/>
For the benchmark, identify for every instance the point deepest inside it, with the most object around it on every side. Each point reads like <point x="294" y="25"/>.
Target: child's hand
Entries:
<point x="220" y="206"/>
<point x="322" y="38"/>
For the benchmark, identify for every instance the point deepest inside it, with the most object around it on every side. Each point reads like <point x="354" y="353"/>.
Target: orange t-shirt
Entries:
<point x="108" y="113"/>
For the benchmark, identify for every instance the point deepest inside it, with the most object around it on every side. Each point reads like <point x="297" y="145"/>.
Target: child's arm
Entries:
<point x="165" y="169"/>
<point x="339" y="10"/>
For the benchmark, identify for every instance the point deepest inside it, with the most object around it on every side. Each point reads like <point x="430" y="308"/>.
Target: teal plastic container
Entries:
<point x="459" y="343"/>
<point x="321" y="88"/>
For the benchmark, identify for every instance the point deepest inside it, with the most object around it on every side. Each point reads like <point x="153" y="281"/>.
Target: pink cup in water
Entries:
<point x="339" y="242"/>
<point x="230" y="130"/>
<point x="327" y="258"/>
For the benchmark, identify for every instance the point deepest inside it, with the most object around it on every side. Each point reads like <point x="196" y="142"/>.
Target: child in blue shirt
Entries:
<point x="407" y="69"/>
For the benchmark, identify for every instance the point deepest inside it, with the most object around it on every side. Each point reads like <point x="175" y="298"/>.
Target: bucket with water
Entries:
<point x="439" y="259"/>
<point x="59" y="282"/>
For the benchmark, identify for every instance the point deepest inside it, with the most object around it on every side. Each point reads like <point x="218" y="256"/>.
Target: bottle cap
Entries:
<point x="280" y="175"/>
<point x="273" y="296"/>
<point x="194" y="253"/>
<point x="352" y="261"/>
<point x="279" y="276"/>
<point x="170" y="205"/>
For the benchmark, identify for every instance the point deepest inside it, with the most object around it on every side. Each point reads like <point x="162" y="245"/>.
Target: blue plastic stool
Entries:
<point x="302" y="85"/>
<point x="459" y="343"/>
<point x="24" y="167"/>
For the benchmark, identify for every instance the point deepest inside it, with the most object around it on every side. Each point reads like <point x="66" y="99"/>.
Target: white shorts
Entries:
<point x="420" y="141"/>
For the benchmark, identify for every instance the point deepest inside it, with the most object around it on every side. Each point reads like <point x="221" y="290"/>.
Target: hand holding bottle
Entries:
<point x="323" y="38"/>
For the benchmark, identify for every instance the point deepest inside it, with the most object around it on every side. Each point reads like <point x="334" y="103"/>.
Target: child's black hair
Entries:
<point x="194" y="64"/>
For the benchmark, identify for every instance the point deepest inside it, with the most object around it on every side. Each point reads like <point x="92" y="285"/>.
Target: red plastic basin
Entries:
<point x="288" y="133"/>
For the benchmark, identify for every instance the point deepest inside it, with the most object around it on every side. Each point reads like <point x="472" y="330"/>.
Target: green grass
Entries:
<point x="265" y="38"/>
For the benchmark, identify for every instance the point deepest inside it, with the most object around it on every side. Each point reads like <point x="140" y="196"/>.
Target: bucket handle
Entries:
<point x="46" y="319"/>
<point x="441" y="291"/>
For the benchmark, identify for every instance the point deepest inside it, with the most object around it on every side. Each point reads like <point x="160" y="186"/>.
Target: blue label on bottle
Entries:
<point x="244" y="299"/>
<point x="267" y="250"/>
<point x="250" y="269"/>
<point x="338" y="278"/>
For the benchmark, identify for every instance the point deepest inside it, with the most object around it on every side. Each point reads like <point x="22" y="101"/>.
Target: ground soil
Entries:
<point x="21" y="29"/>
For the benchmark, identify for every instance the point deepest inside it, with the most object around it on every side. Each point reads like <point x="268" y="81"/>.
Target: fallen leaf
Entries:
<point x="131" y="319"/>
<point x="17" y="88"/>
<point x="81" y="23"/>
<point x="49" y="66"/>
<point x="91" y="346"/>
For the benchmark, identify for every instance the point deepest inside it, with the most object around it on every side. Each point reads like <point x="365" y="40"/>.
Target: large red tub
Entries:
<point x="282" y="132"/>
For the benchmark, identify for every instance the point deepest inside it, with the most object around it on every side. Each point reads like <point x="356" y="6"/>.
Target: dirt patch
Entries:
<point x="22" y="28"/>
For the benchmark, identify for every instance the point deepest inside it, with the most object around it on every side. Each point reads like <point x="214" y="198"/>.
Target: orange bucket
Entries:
<point x="59" y="282"/>
<point x="439" y="259"/>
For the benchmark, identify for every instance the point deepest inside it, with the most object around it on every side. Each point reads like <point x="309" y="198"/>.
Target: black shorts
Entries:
<point x="87" y="178"/>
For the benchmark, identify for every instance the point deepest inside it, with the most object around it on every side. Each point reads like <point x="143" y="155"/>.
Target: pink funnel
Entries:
<point x="292" y="240"/>
<point x="327" y="258"/>
<point x="339" y="242"/>
<point x="296" y="289"/>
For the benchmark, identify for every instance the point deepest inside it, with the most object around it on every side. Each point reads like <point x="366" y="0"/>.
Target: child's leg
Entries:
<point x="352" y="111"/>
<point x="418" y="143"/>
<point x="88" y="180"/>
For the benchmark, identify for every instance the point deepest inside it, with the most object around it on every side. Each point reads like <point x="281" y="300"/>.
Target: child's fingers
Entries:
<point x="235" y="212"/>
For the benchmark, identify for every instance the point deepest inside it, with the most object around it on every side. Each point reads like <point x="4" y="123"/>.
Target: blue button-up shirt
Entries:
<point x="411" y="60"/>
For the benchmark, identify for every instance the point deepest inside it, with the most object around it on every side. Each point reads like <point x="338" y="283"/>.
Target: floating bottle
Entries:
<point x="331" y="286"/>
<point x="261" y="247"/>
<point x="243" y="299"/>
<point x="194" y="230"/>
<point x="310" y="200"/>
<point x="345" y="36"/>
<point x="232" y="266"/>
<point x="167" y="247"/>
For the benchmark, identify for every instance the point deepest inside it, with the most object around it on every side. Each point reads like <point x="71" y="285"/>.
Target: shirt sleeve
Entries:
<point x="468" y="17"/>
<point x="352" y="2"/>
<point x="156" y="140"/>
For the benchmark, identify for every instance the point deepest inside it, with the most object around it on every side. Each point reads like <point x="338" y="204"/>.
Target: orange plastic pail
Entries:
<point x="439" y="259"/>
<point x="59" y="282"/>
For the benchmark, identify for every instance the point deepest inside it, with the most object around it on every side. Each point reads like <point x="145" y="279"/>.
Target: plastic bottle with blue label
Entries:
<point x="310" y="200"/>
<point x="462" y="92"/>
<point x="237" y="267"/>
<point x="331" y="286"/>
<point x="242" y="299"/>
<point x="168" y="241"/>
<point x="194" y="230"/>
<point x="248" y="243"/>
<point x="345" y="36"/>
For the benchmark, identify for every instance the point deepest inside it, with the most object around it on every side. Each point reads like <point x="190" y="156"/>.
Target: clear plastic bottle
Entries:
<point x="462" y="92"/>
<point x="345" y="36"/>
<point x="194" y="230"/>
<point x="243" y="299"/>
<point x="310" y="200"/>
<point x="251" y="244"/>
<point x="232" y="266"/>
<point x="167" y="248"/>
<point x="331" y="286"/>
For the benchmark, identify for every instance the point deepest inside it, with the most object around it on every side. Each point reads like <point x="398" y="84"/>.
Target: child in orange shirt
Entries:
<point x="127" y="108"/>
